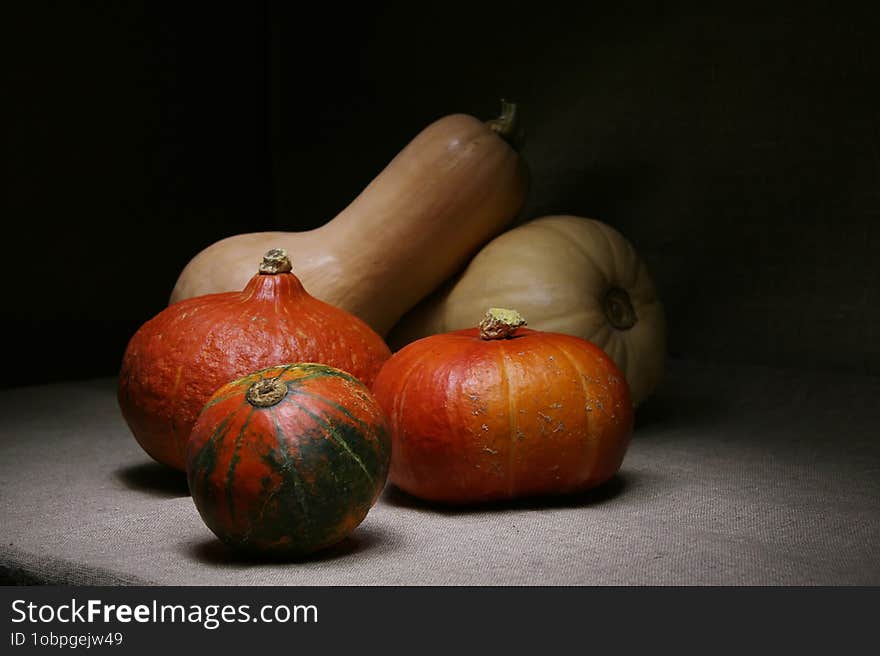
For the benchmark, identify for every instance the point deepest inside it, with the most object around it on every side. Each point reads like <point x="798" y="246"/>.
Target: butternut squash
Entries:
<point x="566" y="274"/>
<point x="450" y="190"/>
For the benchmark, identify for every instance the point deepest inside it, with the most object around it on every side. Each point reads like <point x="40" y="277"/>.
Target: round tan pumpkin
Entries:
<point x="568" y="275"/>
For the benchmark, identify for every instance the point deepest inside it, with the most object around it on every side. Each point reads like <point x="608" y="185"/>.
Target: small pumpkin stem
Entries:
<point x="500" y="323"/>
<point x="265" y="393"/>
<point x="506" y="125"/>
<point x="618" y="309"/>
<point x="275" y="261"/>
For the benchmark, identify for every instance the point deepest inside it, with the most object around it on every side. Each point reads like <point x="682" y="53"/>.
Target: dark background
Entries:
<point x="738" y="150"/>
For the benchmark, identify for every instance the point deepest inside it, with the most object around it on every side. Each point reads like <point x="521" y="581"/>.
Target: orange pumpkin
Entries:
<point x="502" y="411"/>
<point x="179" y="358"/>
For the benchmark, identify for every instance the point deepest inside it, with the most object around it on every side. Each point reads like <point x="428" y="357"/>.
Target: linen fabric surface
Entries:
<point x="735" y="475"/>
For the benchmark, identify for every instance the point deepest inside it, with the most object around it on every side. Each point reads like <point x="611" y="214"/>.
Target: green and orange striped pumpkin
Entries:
<point x="288" y="460"/>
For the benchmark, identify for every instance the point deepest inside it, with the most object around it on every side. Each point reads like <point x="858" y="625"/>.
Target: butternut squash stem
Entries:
<point x="507" y="124"/>
<point x="275" y="261"/>
<point x="500" y="323"/>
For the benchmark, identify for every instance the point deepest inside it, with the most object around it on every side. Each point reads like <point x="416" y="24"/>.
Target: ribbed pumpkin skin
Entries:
<point x="294" y="477"/>
<point x="481" y="420"/>
<point x="179" y="358"/>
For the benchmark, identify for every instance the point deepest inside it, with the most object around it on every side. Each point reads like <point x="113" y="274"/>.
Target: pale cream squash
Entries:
<point x="566" y="274"/>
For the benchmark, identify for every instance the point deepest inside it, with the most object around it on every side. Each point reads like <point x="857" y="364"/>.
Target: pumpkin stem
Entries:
<point x="506" y="125"/>
<point x="275" y="261"/>
<point x="500" y="323"/>
<point x="618" y="309"/>
<point x="265" y="393"/>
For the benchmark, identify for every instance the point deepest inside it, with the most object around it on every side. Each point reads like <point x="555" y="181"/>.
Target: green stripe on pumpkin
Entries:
<point x="333" y="404"/>
<point x="338" y="440"/>
<point x="206" y="458"/>
<point x="288" y="467"/>
<point x="233" y="461"/>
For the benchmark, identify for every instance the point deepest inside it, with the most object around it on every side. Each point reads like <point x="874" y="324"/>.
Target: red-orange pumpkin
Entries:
<point x="288" y="460"/>
<point x="179" y="358"/>
<point x="500" y="412"/>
